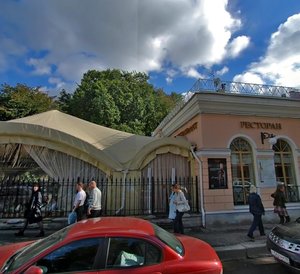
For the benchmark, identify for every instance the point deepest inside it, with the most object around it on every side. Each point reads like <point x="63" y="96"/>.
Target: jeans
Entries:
<point x="80" y="213"/>
<point x="257" y="221"/>
<point x="178" y="225"/>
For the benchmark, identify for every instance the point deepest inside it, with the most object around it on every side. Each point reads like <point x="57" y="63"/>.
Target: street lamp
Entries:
<point x="265" y="135"/>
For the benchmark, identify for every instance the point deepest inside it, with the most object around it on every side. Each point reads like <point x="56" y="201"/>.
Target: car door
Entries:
<point x="132" y="255"/>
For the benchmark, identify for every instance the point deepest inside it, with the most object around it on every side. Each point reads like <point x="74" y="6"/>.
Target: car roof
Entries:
<point x="112" y="225"/>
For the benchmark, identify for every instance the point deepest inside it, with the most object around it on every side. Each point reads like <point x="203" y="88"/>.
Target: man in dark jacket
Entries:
<point x="256" y="208"/>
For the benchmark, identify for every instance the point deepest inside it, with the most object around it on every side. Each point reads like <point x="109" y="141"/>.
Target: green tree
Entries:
<point x="120" y="100"/>
<point x="21" y="101"/>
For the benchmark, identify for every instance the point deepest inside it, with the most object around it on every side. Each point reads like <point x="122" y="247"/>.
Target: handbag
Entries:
<point x="72" y="217"/>
<point x="183" y="207"/>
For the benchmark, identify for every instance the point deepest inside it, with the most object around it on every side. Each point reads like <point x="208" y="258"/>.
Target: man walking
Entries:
<point x="79" y="201"/>
<point x="256" y="208"/>
<point x="94" y="209"/>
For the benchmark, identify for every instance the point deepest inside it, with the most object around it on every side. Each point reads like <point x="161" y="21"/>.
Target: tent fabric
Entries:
<point x="106" y="148"/>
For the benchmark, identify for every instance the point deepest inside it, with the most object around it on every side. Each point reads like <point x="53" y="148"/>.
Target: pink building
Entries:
<point x="242" y="134"/>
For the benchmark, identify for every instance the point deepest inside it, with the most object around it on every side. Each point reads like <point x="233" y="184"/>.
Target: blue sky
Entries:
<point x="51" y="43"/>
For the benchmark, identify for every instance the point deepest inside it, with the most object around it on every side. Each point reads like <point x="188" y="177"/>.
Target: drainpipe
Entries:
<point x="123" y="191"/>
<point x="201" y="188"/>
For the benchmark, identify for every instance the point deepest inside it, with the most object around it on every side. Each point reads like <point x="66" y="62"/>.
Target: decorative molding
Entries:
<point x="231" y="104"/>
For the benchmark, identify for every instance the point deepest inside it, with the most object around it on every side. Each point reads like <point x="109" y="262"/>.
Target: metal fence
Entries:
<point x="241" y="194"/>
<point x="131" y="197"/>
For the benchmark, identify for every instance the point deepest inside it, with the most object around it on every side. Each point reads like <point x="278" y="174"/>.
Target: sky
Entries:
<point x="52" y="43"/>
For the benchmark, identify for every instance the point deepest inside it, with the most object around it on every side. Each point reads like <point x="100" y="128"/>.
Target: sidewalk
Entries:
<point x="230" y="242"/>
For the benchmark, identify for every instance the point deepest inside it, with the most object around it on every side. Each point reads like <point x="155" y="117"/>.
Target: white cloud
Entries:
<point x="248" y="77"/>
<point x="222" y="71"/>
<point x="74" y="36"/>
<point x="281" y="63"/>
<point x="40" y="66"/>
<point x="193" y="73"/>
<point x="238" y="45"/>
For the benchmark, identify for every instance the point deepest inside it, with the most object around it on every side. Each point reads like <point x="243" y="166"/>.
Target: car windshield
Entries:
<point x="169" y="239"/>
<point x="36" y="248"/>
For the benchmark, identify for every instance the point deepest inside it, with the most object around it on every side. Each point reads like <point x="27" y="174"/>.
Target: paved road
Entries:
<point x="261" y="265"/>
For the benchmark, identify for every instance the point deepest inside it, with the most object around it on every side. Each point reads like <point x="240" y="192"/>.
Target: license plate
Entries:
<point x="280" y="257"/>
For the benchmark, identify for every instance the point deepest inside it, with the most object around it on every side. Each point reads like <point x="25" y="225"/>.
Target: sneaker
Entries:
<point x="20" y="233"/>
<point x="251" y="237"/>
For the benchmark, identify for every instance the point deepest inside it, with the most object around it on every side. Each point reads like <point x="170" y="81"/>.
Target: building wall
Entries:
<point x="213" y="133"/>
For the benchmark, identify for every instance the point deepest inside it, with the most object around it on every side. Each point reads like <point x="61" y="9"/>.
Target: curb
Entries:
<point x="242" y="251"/>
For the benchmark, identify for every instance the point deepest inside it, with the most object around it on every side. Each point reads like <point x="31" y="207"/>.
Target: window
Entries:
<point x="284" y="169"/>
<point x="129" y="252"/>
<point x="242" y="170"/>
<point x="73" y="257"/>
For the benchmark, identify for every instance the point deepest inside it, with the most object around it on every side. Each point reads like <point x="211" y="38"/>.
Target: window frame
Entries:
<point x="146" y="241"/>
<point x="238" y="148"/>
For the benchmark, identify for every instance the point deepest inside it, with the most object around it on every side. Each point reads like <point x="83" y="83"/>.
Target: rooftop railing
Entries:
<point x="217" y="85"/>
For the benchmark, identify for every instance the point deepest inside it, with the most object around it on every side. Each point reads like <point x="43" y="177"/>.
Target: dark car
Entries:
<point x="284" y="244"/>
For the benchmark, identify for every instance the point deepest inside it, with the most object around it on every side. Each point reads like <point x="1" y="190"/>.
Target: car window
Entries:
<point x="169" y="239"/>
<point x="37" y="248"/>
<point x="76" y="256"/>
<point x="130" y="252"/>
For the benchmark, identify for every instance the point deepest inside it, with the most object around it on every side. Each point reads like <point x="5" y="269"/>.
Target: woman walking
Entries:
<point x="279" y="204"/>
<point x="182" y="206"/>
<point x="33" y="212"/>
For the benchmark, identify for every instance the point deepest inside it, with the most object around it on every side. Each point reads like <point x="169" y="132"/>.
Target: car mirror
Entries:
<point x="34" y="270"/>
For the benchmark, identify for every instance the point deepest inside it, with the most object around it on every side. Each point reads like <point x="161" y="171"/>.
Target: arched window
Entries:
<point x="242" y="170"/>
<point x="284" y="169"/>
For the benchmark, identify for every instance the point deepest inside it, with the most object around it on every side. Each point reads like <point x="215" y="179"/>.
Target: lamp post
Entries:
<point x="270" y="136"/>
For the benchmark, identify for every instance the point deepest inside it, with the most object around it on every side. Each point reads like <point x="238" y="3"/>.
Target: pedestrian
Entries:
<point x="279" y="204"/>
<point x="172" y="206"/>
<point x="94" y="209"/>
<point x="182" y="206"/>
<point x="33" y="212"/>
<point x="87" y="199"/>
<point x="257" y="209"/>
<point x="78" y="205"/>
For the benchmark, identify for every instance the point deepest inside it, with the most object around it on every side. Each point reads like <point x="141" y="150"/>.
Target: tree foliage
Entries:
<point x="120" y="100"/>
<point x="21" y="101"/>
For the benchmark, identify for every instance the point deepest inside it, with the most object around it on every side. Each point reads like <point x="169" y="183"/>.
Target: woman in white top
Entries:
<point x="181" y="207"/>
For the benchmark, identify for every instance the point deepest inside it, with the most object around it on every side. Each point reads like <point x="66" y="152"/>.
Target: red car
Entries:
<point x="111" y="245"/>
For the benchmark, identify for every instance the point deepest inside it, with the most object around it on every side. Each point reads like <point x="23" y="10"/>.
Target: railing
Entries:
<point x="131" y="198"/>
<point x="217" y="85"/>
<point x="241" y="193"/>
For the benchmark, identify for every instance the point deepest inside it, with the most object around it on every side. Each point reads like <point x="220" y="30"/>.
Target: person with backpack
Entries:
<point x="33" y="212"/>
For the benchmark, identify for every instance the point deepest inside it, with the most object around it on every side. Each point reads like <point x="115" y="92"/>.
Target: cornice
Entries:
<point x="231" y="104"/>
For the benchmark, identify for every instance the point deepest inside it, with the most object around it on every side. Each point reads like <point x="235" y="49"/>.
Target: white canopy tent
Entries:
<point x="68" y="147"/>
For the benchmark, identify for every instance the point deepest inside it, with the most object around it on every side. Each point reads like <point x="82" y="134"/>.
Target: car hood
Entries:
<point x="290" y="231"/>
<point x="7" y="251"/>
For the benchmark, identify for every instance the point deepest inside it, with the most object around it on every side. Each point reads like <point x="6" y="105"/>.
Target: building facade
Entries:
<point x="240" y="138"/>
